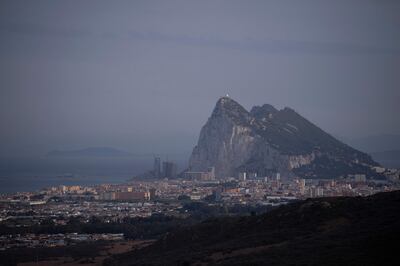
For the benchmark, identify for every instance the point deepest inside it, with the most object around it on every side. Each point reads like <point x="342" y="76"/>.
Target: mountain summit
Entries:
<point x="267" y="141"/>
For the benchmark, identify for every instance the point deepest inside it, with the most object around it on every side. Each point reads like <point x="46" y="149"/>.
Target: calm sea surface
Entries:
<point x="31" y="174"/>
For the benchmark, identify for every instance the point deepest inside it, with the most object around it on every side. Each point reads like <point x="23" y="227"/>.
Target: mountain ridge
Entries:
<point x="266" y="140"/>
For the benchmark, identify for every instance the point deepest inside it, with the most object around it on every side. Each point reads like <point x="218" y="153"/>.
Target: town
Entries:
<point x="165" y="194"/>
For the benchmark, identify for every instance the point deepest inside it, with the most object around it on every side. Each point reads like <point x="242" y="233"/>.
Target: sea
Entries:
<point x="33" y="174"/>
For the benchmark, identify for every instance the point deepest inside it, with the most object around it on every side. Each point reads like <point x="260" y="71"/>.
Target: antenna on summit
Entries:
<point x="227" y="95"/>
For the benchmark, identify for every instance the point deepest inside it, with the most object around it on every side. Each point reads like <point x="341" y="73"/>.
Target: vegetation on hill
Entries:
<point x="325" y="231"/>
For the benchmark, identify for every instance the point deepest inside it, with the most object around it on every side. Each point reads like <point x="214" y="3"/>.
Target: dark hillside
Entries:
<point x="326" y="231"/>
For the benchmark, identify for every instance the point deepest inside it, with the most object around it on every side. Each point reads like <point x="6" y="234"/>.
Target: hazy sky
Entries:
<point x="145" y="75"/>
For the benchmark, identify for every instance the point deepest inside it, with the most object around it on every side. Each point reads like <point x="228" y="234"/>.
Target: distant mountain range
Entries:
<point x="384" y="148"/>
<point x="325" y="231"/>
<point x="90" y="152"/>
<point x="376" y="143"/>
<point x="389" y="159"/>
<point x="267" y="141"/>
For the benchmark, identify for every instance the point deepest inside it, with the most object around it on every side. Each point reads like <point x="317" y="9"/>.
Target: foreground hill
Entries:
<point x="266" y="141"/>
<point x="325" y="231"/>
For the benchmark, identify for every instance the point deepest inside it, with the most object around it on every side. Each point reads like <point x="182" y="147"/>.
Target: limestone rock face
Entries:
<point x="226" y="141"/>
<point x="266" y="140"/>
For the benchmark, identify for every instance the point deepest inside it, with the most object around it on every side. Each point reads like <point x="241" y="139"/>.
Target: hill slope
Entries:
<point x="325" y="231"/>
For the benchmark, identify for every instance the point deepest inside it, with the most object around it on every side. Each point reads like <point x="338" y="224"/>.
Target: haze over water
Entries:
<point x="30" y="174"/>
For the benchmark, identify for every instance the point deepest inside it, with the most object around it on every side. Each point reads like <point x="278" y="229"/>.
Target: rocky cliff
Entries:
<point x="266" y="141"/>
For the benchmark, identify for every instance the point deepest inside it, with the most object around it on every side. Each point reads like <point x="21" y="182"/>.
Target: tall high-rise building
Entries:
<point x="169" y="169"/>
<point x="157" y="167"/>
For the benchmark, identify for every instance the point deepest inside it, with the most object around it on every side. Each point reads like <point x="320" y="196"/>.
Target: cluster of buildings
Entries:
<point x="129" y="195"/>
<point x="167" y="195"/>
<point x="209" y="175"/>
<point x="103" y="192"/>
<point x="17" y="210"/>
<point x="245" y="188"/>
